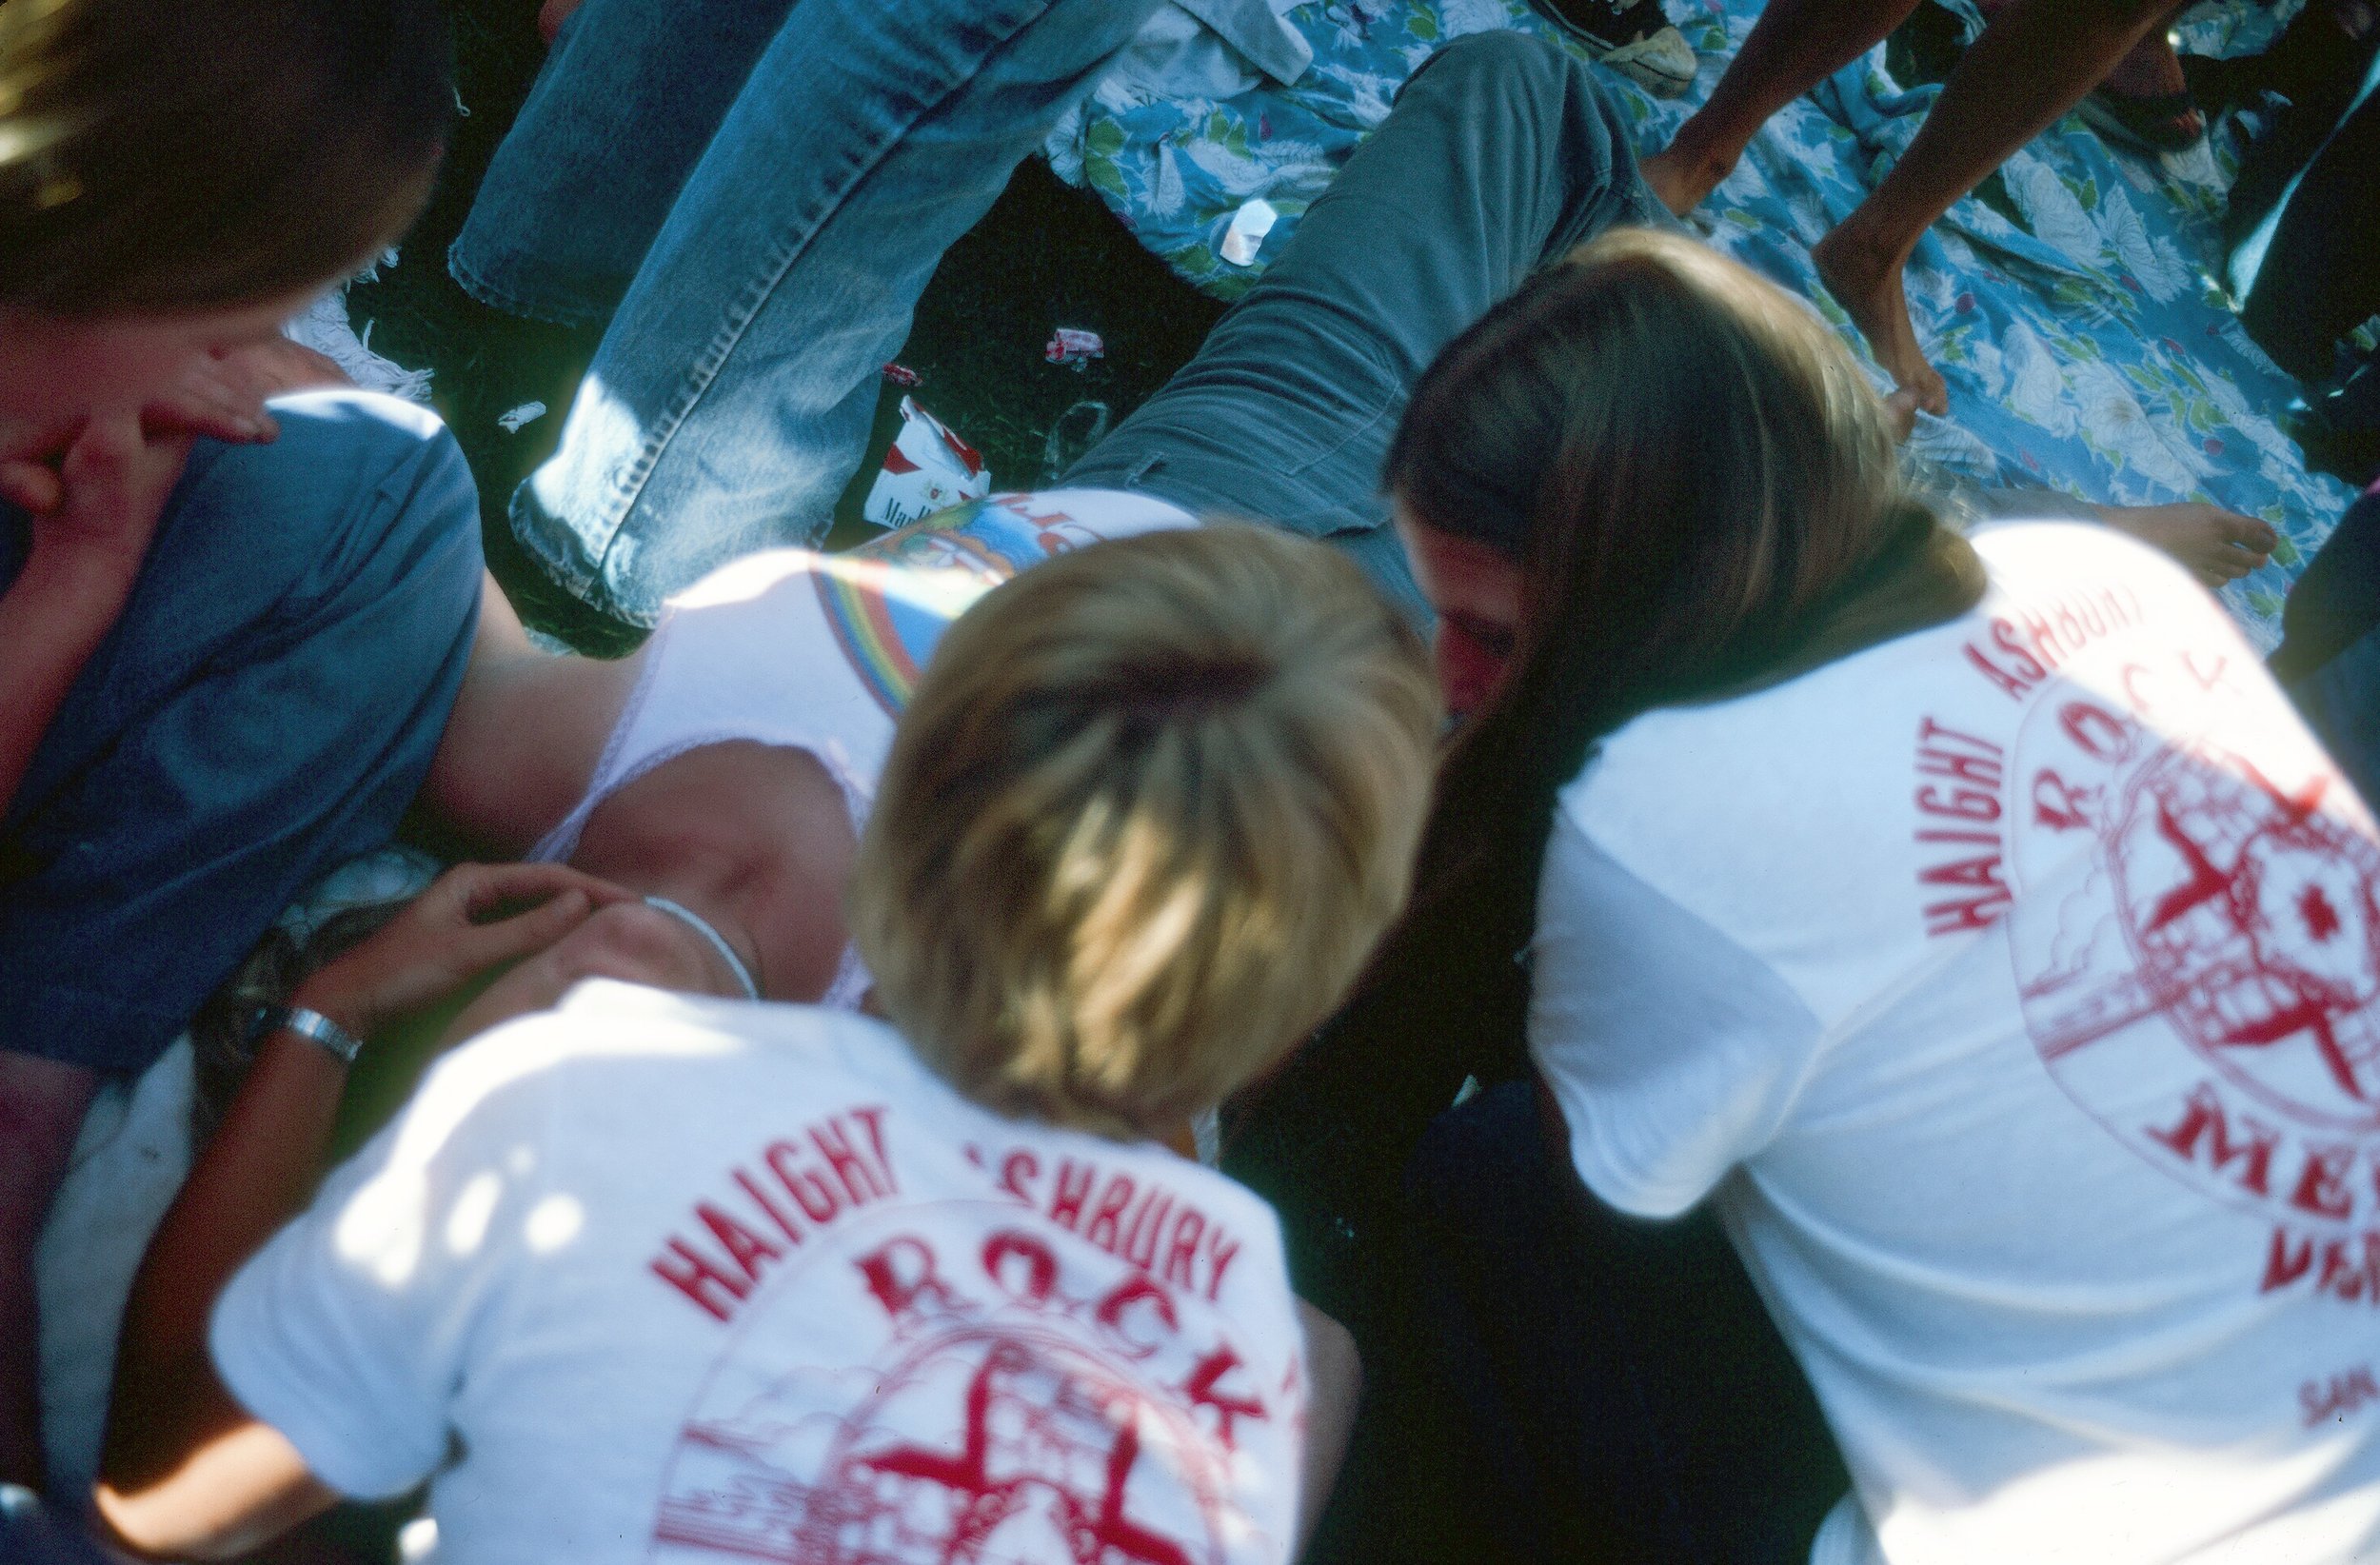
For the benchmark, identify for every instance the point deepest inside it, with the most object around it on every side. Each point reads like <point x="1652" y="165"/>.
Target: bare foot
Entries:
<point x="2217" y="545"/>
<point x="1680" y="178"/>
<point x="1868" y="289"/>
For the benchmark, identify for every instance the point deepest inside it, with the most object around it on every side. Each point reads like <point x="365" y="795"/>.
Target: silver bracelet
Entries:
<point x="313" y="1027"/>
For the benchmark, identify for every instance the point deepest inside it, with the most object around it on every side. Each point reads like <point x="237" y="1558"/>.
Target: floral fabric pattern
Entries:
<point x="2074" y="303"/>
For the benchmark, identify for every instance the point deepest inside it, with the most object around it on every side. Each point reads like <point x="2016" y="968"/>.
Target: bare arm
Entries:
<point x="1337" y="1372"/>
<point x="185" y="1469"/>
<point x="524" y="738"/>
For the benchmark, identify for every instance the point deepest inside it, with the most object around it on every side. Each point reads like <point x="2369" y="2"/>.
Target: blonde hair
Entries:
<point x="1147" y="814"/>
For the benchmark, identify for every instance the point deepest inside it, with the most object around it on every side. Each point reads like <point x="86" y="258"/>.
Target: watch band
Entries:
<point x="313" y="1026"/>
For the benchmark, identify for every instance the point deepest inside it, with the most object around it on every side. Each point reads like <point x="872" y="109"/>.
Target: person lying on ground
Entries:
<point x="752" y="724"/>
<point x="1976" y="924"/>
<point x="227" y="636"/>
<point x="618" y="1262"/>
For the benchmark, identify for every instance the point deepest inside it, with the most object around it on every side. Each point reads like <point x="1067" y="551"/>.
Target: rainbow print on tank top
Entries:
<point x="890" y="600"/>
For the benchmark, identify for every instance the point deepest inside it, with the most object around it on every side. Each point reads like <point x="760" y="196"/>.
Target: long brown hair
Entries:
<point x="163" y="156"/>
<point x="1700" y="491"/>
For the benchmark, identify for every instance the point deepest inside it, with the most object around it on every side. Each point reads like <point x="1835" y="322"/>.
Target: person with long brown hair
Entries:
<point x="1971" y="922"/>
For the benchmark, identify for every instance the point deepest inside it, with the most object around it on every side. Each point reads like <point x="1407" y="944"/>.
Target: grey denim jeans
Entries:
<point x="1501" y="155"/>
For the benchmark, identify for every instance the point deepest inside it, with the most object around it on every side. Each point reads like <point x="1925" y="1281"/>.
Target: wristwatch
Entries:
<point x="311" y="1025"/>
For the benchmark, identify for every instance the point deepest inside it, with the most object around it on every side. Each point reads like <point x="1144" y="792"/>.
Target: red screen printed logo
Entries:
<point x="2198" y="939"/>
<point x="1015" y="1395"/>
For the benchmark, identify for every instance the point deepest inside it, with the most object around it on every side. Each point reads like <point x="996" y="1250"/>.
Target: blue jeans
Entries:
<point x="266" y="707"/>
<point x="790" y="175"/>
<point x="1501" y="155"/>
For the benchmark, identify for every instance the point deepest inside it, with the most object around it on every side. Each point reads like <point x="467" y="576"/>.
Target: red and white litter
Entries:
<point x="1068" y="344"/>
<point x="928" y="469"/>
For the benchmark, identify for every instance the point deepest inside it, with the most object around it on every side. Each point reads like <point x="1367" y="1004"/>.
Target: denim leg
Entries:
<point x="2328" y="659"/>
<point x="266" y="707"/>
<point x="728" y="405"/>
<point x="629" y="97"/>
<point x="1501" y="155"/>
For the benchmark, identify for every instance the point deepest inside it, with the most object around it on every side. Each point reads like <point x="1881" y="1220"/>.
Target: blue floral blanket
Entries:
<point x="2088" y="344"/>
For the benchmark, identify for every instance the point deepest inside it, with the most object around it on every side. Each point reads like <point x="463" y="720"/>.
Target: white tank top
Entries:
<point x="819" y="652"/>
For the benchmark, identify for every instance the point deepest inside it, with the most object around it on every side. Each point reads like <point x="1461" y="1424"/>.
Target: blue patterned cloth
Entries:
<point x="2089" y="348"/>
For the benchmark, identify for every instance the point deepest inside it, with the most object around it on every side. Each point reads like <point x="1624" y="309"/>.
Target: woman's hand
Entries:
<point x="97" y="511"/>
<point x="471" y="918"/>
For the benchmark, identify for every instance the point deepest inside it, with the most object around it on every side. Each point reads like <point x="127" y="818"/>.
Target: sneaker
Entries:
<point x="1634" y="37"/>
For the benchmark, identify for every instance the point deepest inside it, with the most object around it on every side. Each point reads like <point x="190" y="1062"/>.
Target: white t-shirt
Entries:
<point x="653" y="1277"/>
<point x="2013" y="986"/>
<point x="819" y="652"/>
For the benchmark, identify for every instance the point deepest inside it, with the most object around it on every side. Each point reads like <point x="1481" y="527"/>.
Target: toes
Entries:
<point x="2251" y="534"/>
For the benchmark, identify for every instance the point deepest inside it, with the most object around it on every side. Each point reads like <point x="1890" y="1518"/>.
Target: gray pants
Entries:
<point x="1502" y="155"/>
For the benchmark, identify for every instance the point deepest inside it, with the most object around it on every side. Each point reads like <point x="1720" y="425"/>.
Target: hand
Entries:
<point x="467" y="922"/>
<point x="277" y="366"/>
<point x="99" y="506"/>
<point x="219" y="397"/>
<point x="223" y="395"/>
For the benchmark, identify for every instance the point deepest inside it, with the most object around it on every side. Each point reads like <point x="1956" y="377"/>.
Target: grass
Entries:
<point x="1046" y="256"/>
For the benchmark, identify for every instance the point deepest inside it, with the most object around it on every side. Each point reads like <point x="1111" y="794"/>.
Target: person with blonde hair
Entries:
<point x="724" y="775"/>
<point x="651" y="1275"/>
<point x="1110" y="882"/>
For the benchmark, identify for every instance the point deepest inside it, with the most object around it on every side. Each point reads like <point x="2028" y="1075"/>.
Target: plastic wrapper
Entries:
<point x="1068" y="344"/>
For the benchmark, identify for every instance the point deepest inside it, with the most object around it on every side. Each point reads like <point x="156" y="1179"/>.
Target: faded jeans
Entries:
<point x="779" y="179"/>
<point x="1501" y="155"/>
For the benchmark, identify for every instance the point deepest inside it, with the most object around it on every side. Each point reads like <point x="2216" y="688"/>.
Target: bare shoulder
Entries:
<point x="759" y="838"/>
<point x="522" y="745"/>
